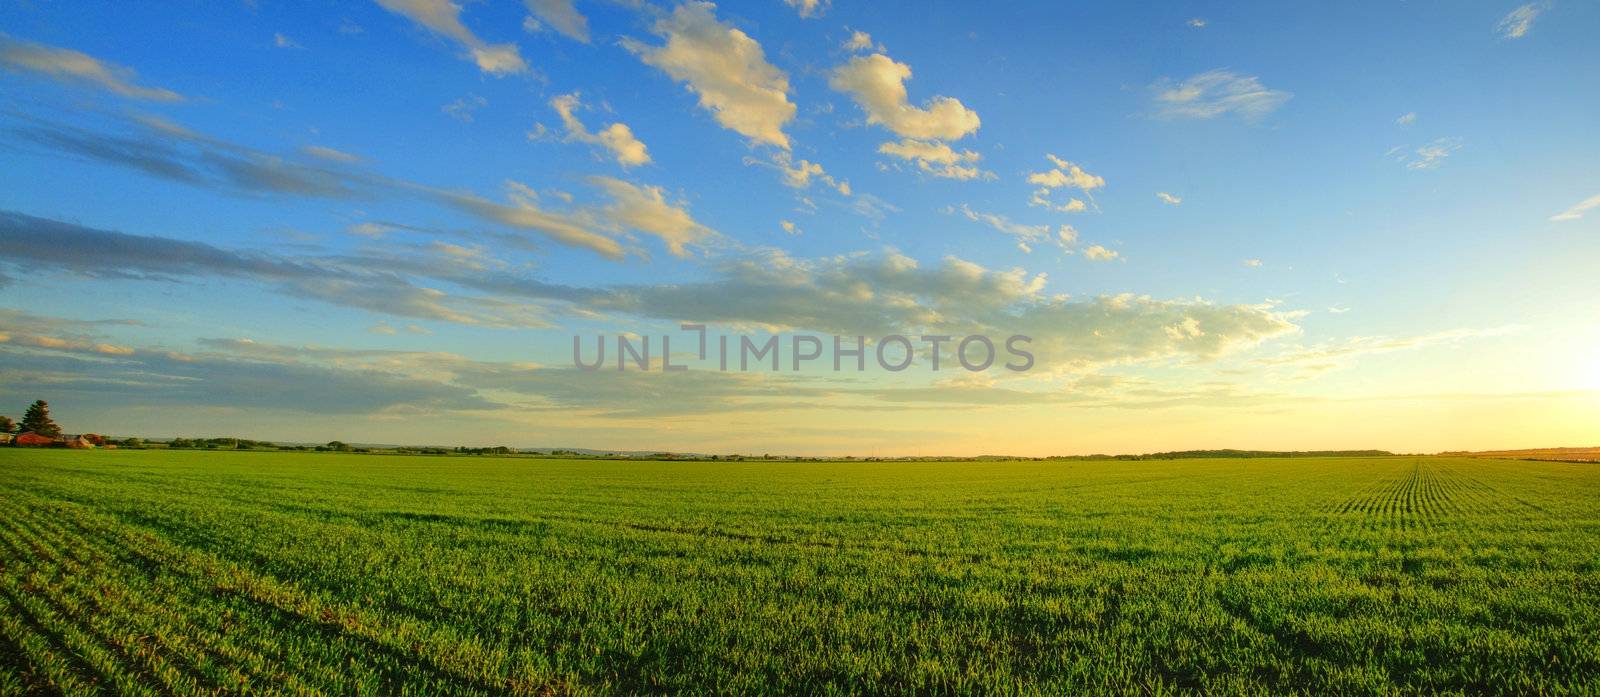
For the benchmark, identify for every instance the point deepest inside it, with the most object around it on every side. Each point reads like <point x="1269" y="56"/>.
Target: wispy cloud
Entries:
<point x="1518" y="22"/>
<point x="800" y="174"/>
<point x="1428" y="156"/>
<point x="1577" y="210"/>
<point x="172" y="152"/>
<point x="1216" y="93"/>
<point x="465" y="108"/>
<point x="67" y="65"/>
<point x="562" y="16"/>
<point x="443" y="17"/>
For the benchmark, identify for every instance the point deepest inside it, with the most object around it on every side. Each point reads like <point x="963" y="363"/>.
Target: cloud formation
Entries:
<point x="562" y="16"/>
<point x="1516" y="23"/>
<point x="937" y="159"/>
<point x="725" y="68"/>
<point x="1577" y="210"/>
<point x="1099" y="253"/>
<point x="1027" y="235"/>
<point x="1064" y="175"/>
<point x="646" y="209"/>
<point x="627" y="150"/>
<point x="1216" y="93"/>
<point x="1428" y="156"/>
<point x="67" y="65"/>
<point x="863" y="295"/>
<point x="810" y="9"/>
<point x="858" y="41"/>
<point x="443" y="17"/>
<point x="169" y="151"/>
<point x="877" y="84"/>
<point x="799" y="174"/>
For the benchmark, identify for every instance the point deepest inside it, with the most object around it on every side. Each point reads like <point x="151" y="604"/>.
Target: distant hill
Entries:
<point x="1564" y="454"/>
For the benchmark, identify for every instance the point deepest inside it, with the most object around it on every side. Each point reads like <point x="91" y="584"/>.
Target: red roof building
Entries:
<point x="33" y="439"/>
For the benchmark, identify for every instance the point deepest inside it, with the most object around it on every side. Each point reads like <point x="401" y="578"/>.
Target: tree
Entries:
<point x="6" y="425"/>
<point x="38" y="420"/>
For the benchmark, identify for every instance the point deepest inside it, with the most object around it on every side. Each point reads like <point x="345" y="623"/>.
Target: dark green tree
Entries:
<point x="7" y="425"/>
<point x="37" y="419"/>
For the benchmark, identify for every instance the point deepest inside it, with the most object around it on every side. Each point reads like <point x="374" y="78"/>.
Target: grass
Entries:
<point x="192" y="572"/>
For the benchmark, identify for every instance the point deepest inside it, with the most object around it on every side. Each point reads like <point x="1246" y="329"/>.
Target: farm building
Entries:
<point x="35" y="440"/>
<point x="74" y="441"/>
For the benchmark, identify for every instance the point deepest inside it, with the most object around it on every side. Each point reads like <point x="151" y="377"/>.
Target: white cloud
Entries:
<point x="937" y="159"/>
<point x="859" y="41"/>
<point x="727" y="70"/>
<point x="790" y="227"/>
<point x="645" y="209"/>
<point x="1577" y="211"/>
<point x="282" y="41"/>
<point x="810" y="9"/>
<point x="443" y="17"/>
<point x="1252" y="263"/>
<point x="617" y="137"/>
<point x="562" y="16"/>
<point x="1215" y="93"/>
<point x="1407" y="118"/>
<point x="877" y="84"/>
<point x="1099" y="253"/>
<point x="68" y="65"/>
<point x="1168" y="199"/>
<point x="1067" y="175"/>
<point x="1041" y="197"/>
<point x="1516" y="24"/>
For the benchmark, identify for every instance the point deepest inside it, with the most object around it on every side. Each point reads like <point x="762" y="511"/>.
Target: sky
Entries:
<point x="1248" y="225"/>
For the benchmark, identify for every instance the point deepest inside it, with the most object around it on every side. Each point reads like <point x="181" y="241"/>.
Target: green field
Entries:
<point x="155" y="572"/>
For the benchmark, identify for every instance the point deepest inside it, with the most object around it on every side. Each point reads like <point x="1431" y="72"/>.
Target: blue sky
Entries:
<point x="1283" y="211"/>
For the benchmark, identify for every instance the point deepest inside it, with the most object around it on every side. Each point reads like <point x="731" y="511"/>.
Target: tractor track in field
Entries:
<point x="1425" y="496"/>
<point x="1419" y="497"/>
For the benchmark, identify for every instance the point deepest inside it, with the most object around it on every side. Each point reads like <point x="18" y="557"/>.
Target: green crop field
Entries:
<point x="155" y="572"/>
